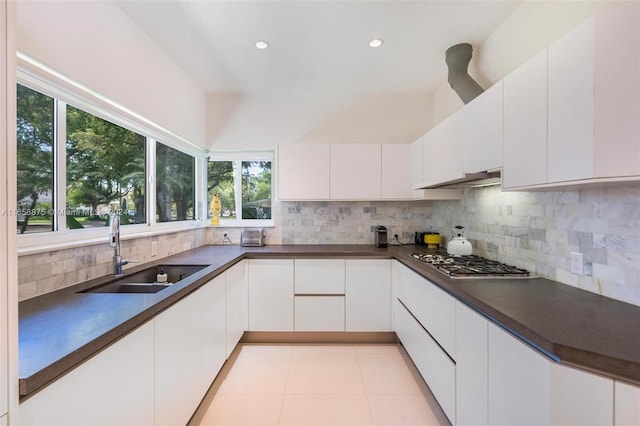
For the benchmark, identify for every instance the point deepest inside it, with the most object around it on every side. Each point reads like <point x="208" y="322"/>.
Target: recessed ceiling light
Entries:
<point x="376" y="42"/>
<point x="261" y="44"/>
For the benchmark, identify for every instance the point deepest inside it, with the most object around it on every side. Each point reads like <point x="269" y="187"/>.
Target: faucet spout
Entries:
<point x="114" y="241"/>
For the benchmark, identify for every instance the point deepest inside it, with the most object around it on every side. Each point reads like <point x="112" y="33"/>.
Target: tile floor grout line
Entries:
<point x="364" y="386"/>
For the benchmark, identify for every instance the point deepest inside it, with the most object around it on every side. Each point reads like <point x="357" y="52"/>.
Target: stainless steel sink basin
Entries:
<point x="144" y="281"/>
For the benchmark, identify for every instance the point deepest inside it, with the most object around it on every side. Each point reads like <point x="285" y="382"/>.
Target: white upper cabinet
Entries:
<point x="617" y="91"/>
<point x="525" y="124"/>
<point x="571" y="87"/>
<point x="303" y="172"/>
<point x="396" y="172"/>
<point x="355" y="171"/>
<point x="441" y="152"/>
<point x="481" y="132"/>
<point x="469" y="141"/>
<point x="590" y="132"/>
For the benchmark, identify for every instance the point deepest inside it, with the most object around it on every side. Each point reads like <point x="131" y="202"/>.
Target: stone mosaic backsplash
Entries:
<point x="539" y="230"/>
<point x="534" y="230"/>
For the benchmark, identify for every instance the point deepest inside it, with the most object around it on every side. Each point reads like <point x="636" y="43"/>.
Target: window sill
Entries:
<point x="41" y="243"/>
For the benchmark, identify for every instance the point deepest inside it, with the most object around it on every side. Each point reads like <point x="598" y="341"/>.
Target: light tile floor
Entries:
<point x="319" y="385"/>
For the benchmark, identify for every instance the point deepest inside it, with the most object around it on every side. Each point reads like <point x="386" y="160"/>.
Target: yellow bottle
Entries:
<point x="215" y="210"/>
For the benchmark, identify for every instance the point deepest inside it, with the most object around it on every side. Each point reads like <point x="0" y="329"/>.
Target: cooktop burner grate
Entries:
<point x="471" y="266"/>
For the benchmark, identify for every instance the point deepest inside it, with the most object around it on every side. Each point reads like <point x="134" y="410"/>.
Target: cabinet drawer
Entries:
<point x="435" y="309"/>
<point x="434" y="365"/>
<point x="319" y="276"/>
<point x="319" y="313"/>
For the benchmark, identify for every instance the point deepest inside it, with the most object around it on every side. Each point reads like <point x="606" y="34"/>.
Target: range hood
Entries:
<point x="470" y="180"/>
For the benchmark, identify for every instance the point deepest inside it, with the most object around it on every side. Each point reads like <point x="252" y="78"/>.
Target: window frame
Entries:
<point x="65" y="91"/>
<point x="238" y="157"/>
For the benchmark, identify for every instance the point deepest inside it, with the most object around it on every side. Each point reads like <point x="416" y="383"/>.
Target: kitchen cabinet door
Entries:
<point x="442" y="150"/>
<point x="319" y="313"/>
<point x="3" y="420"/>
<point x="432" y="307"/>
<point x="115" y="387"/>
<point x="437" y="369"/>
<point x="368" y="295"/>
<point x="519" y="379"/>
<point x="303" y="172"/>
<point x="471" y="367"/>
<point x="580" y="398"/>
<point x="214" y="331"/>
<point x="356" y="171"/>
<point x="417" y="167"/>
<point x="617" y="90"/>
<point x="571" y="105"/>
<point x="186" y="354"/>
<point x="271" y="294"/>
<point x="319" y="276"/>
<point x="481" y="134"/>
<point x="396" y="172"/>
<point x="525" y="124"/>
<point x="237" y="304"/>
<point x="627" y="404"/>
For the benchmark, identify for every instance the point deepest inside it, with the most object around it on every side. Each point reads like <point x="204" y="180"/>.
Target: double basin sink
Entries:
<point x="144" y="281"/>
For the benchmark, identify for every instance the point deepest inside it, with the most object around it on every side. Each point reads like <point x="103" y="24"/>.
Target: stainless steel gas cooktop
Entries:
<point x="471" y="266"/>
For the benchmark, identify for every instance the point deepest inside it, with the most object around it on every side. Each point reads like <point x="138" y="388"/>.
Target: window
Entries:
<point x="35" y="151"/>
<point x="175" y="185"/>
<point x="244" y="184"/>
<point x="105" y="172"/>
<point x="75" y="166"/>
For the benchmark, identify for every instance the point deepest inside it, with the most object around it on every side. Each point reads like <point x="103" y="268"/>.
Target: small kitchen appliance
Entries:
<point x="459" y="245"/>
<point x="252" y="237"/>
<point x="381" y="236"/>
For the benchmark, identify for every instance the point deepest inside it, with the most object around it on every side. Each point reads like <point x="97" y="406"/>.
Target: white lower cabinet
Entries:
<point x="437" y="369"/>
<point x="471" y="367"/>
<point x="115" y="387"/>
<point x="237" y="304"/>
<point x="319" y="313"/>
<point x="580" y="398"/>
<point x="3" y="420"/>
<point x="271" y="295"/>
<point x="431" y="306"/>
<point x="627" y="404"/>
<point x="319" y="276"/>
<point x="519" y="382"/>
<point x="189" y="351"/>
<point x="368" y="295"/>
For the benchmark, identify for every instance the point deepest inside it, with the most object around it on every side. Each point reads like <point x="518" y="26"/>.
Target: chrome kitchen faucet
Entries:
<point x="114" y="241"/>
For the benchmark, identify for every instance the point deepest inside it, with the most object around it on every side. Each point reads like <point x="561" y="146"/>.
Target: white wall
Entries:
<point x="97" y="45"/>
<point x="263" y="121"/>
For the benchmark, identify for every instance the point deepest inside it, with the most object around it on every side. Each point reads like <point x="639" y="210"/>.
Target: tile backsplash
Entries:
<point x="539" y="230"/>
<point x="534" y="230"/>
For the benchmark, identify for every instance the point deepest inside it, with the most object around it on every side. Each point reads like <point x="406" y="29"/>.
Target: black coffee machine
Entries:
<point x="381" y="236"/>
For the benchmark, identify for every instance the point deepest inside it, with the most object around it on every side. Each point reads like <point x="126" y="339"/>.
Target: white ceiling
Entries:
<point x="316" y="46"/>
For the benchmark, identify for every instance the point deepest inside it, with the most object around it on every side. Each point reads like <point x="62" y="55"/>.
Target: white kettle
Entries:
<point x="459" y="245"/>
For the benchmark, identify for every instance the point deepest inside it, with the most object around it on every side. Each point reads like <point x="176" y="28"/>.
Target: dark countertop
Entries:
<point x="60" y="330"/>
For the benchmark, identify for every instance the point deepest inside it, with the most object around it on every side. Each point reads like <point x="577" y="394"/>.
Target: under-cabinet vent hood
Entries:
<point x="470" y="180"/>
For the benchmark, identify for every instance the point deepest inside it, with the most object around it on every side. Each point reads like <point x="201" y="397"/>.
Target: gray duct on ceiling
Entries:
<point x="458" y="58"/>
